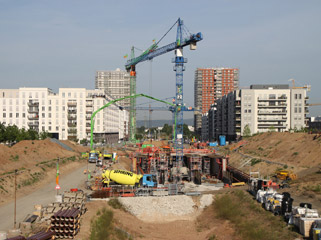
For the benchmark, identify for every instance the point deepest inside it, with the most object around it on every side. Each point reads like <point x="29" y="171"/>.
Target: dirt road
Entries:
<point x="44" y="195"/>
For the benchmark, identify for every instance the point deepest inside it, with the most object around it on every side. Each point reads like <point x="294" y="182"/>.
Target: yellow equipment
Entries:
<point x="238" y="184"/>
<point x="285" y="175"/>
<point x="121" y="177"/>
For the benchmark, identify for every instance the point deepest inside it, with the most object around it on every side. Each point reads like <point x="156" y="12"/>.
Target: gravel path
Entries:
<point x="169" y="208"/>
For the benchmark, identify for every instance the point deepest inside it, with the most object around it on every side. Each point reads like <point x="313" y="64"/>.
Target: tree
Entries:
<point x="43" y="135"/>
<point x="167" y="129"/>
<point x="271" y="129"/>
<point x="247" y="131"/>
<point x="11" y="133"/>
<point x="2" y="132"/>
<point x="33" y="134"/>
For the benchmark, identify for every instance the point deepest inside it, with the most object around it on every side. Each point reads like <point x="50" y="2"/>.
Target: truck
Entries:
<point x="124" y="177"/>
<point x="93" y="156"/>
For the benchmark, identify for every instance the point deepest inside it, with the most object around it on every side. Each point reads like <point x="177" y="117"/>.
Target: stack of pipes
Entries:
<point x="38" y="236"/>
<point x="65" y="223"/>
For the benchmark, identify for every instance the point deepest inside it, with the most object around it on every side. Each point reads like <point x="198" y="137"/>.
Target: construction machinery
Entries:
<point x="124" y="177"/>
<point x="93" y="156"/>
<point x="285" y="175"/>
<point x="183" y="39"/>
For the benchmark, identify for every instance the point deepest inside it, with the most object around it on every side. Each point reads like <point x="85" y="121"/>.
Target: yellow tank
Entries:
<point x="122" y="177"/>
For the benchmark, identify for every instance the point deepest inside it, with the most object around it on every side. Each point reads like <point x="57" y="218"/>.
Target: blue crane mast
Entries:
<point x="183" y="39"/>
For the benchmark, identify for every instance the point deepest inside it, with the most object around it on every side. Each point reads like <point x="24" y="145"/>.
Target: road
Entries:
<point x="43" y="196"/>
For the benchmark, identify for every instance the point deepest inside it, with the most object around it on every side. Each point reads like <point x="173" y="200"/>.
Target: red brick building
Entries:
<point x="209" y="85"/>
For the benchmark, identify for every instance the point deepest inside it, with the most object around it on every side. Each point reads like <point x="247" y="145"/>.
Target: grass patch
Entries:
<point x="249" y="219"/>
<point x="278" y="143"/>
<point x="295" y="154"/>
<point x="35" y="177"/>
<point x="260" y="148"/>
<point x="315" y="188"/>
<point x="255" y="161"/>
<point x="14" y="158"/>
<point x="102" y="227"/>
<point x="114" y="203"/>
<point x="3" y="189"/>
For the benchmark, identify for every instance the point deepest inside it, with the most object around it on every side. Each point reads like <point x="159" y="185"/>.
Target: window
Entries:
<point x="63" y="94"/>
<point x="17" y="115"/>
<point x="43" y="108"/>
<point x="57" y="128"/>
<point x="50" y="115"/>
<point x="249" y="111"/>
<point x="49" y="108"/>
<point x="69" y="94"/>
<point x="4" y="115"/>
<point x="300" y="96"/>
<point x="43" y="115"/>
<point x="24" y="115"/>
<point x="295" y="110"/>
<point x="10" y="115"/>
<point x="299" y="110"/>
<point x="295" y="96"/>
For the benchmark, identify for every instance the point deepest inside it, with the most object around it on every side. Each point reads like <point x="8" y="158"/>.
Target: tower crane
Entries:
<point x="183" y="39"/>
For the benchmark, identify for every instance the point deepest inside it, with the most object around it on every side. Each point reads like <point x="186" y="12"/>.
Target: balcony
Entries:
<point x="272" y="106"/>
<point x="33" y="123"/>
<point x="72" y="138"/>
<point x="88" y="118"/>
<point x="33" y="104"/>
<point x="72" y="131"/>
<point x="72" y="125"/>
<point x="88" y="130"/>
<point x="272" y="113"/>
<point x="271" y="120"/>
<point x="72" y="104"/>
<point x="72" y="117"/>
<point x="33" y="117"/>
<point x="270" y="125"/>
<point x="33" y="110"/>
<point x="72" y="111"/>
<point x="89" y="111"/>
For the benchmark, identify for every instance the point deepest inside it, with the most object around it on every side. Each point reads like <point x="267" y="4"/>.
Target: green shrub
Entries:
<point x="101" y="228"/>
<point x="255" y="161"/>
<point x="114" y="203"/>
<point x="295" y="154"/>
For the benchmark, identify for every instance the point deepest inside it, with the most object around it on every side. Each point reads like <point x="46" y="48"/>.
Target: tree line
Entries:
<point x="11" y="134"/>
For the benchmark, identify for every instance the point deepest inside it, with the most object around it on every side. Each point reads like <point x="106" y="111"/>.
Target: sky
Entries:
<point x="62" y="43"/>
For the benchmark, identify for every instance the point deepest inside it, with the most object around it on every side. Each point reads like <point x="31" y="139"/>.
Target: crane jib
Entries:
<point x="148" y="55"/>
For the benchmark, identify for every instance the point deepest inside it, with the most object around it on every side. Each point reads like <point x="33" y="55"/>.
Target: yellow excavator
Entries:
<point x="285" y="175"/>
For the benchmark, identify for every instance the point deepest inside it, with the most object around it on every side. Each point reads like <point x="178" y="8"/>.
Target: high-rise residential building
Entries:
<point x="66" y="114"/>
<point x="115" y="83"/>
<point x="211" y="84"/>
<point x="262" y="108"/>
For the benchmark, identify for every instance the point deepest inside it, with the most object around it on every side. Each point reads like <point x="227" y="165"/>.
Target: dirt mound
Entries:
<point x="298" y="151"/>
<point x="28" y="153"/>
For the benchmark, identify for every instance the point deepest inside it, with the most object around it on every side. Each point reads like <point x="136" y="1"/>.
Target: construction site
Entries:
<point x="239" y="186"/>
<point x="145" y="187"/>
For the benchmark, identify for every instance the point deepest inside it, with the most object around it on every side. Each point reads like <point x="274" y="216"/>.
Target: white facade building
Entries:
<point x="262" y="107"/>
<point x="66" y="114"/>
<point x="115" y="83"/>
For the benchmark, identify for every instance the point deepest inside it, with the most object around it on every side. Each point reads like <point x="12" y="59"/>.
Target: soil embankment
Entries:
<point x="35" y="161"/>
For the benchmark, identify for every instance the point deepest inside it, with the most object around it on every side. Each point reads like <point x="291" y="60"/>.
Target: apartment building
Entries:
<point x="66" y="114"/>
<point x="261" y="108"/>
<point x="211" y="84"/>
<point x="115" y="83"/>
